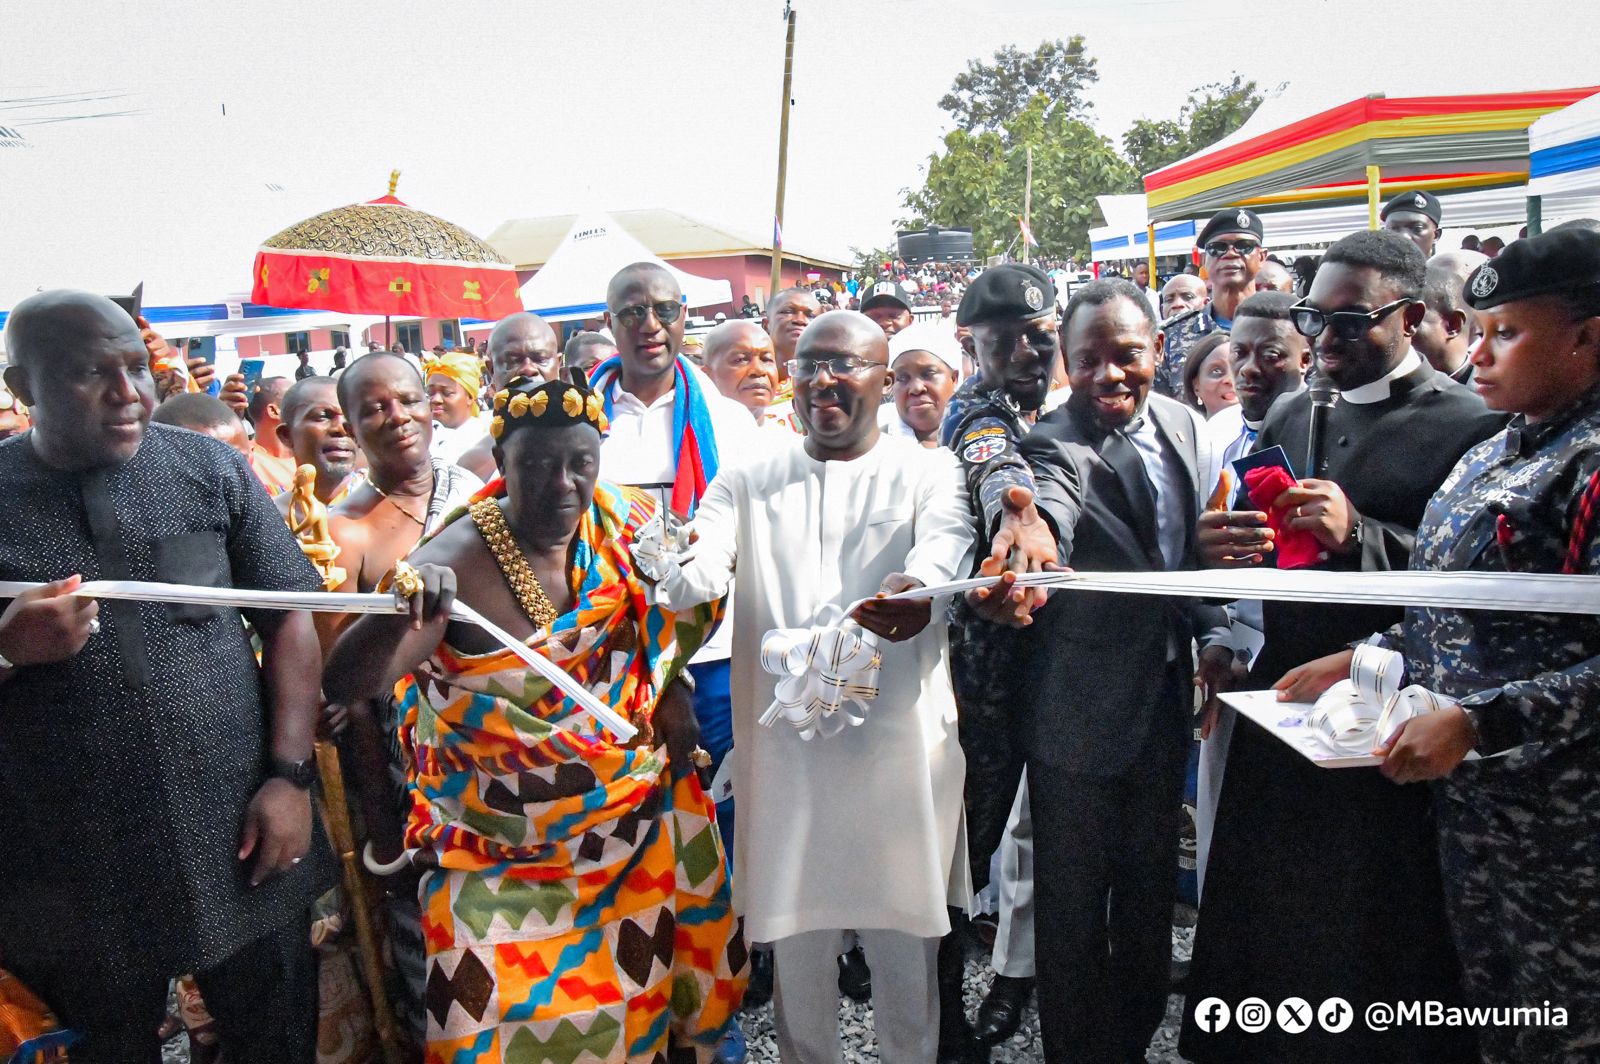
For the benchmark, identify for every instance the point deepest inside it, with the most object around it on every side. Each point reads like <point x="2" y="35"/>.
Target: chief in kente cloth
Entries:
<point x="1519" y="833"/>
<point x="155" y="780"/>
<point x="575" y="898"/>
<point x="1325" y="883"/>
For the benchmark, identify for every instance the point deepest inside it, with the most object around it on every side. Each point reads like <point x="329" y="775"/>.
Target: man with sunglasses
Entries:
<point x="671" y="431"/>
<point x="1345" y="847"/>
<point x="1231" y="241"/>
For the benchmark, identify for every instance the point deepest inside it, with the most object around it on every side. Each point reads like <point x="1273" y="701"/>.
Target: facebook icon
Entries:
<point x="1211" y="1014"/>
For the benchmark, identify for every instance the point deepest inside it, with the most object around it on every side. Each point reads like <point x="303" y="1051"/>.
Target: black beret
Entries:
<point x="1419" y="202"/>
<point x="1558" y="261"/>
<point x="883" y="292"/>
<point x="1012" y="290"/>
<point x="1233" y="221"/>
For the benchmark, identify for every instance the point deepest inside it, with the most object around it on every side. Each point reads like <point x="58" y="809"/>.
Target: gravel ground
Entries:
<point x="1025" y="1047"/>
<point x="861" y="1044"/>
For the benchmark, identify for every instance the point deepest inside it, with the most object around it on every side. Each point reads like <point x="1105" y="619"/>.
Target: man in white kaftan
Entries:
<point x="862" y="829"/>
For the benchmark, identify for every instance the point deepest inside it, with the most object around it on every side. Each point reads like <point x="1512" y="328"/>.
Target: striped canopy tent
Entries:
<point x="1294" y="152"/>
<point x="1565" y="159"/>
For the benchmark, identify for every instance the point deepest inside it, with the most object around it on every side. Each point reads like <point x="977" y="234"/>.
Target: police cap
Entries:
<point x="1011" y="290"/>
<point x="1418" y="202"/>
<point x="1554" y="262"/>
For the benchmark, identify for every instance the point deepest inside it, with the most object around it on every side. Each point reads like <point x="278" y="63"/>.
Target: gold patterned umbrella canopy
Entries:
<point x="384" y="257"/>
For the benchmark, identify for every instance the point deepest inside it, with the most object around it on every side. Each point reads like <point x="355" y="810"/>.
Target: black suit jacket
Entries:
<point x="1099" y="664"/>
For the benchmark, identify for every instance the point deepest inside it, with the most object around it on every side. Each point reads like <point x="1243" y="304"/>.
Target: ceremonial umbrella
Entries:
<point x="384" y="257"/>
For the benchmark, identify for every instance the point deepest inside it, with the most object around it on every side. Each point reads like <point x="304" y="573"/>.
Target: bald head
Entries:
<point x="523" y="345"/>
<point x="78" y="361"/>
<point x="844" y="330"/>
<point x="842" y="374"/>
<point x="1274" y="277"/>
<point x="1448" y="327"/>
<point x="739" y="359"/>
<point x="374" y="363"/>
<point x="640" y="273"/>
<point x="48" y="321"/>
<point x="1183" y="293"/>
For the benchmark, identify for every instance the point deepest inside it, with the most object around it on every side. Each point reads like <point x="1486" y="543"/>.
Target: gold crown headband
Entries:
<point x="553" y="403"/>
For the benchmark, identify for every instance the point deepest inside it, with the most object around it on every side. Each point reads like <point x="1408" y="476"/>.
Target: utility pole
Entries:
<point x="1027" y="204"/>
<point x="783" y="152"/>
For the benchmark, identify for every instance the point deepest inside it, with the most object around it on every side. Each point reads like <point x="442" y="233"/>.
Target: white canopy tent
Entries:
<point x="1564" y="164"/>
<point x="573" y="283"/>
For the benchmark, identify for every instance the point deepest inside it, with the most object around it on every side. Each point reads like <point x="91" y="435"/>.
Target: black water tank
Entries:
<point x="934" y="244"/>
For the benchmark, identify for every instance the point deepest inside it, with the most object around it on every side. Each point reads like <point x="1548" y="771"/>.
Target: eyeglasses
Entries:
<point x="1220" y="249"/>
<point x="838" y="366"/>
<point x="1346" y="324"/>
<point x="631" y="317"/>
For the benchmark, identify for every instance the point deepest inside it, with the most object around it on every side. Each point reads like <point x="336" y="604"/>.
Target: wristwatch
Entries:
<point x="300" y="773"/>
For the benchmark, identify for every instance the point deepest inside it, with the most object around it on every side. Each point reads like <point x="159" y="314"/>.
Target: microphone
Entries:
<point x="1323" y="395"/>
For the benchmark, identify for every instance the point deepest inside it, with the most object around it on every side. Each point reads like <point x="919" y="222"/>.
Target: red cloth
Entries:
<point x="1296" y="549"/>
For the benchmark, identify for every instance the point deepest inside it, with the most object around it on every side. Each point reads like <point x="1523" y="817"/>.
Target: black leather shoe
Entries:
<point x="759" y="992"/>
<point x="1001" y="1012"/>
<point x="855" y="978"/>
<point x="958" y="1046"/>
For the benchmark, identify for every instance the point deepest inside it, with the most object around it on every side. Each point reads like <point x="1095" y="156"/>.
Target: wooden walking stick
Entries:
<point x="308" y="520"/>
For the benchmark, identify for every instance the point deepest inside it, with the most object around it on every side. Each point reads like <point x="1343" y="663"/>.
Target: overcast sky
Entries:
<point x="508" y="109"/>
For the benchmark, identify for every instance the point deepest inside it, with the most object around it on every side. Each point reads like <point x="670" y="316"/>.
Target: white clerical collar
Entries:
<point x="1377" y="391"/>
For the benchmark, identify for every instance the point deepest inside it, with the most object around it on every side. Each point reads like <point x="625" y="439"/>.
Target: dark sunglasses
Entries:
<point x="1220" y="249"/>
<point x="1346" y="324"/>
<point x="631" y="317"/>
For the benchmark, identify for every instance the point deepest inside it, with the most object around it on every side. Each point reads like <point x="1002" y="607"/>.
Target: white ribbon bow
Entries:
<point x="828" y="674"/>
<point x="656" y="547"/>
<point x="1358" y="715"/>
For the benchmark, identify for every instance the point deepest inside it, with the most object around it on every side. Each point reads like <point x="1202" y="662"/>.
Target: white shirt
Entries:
<point x="1159" y="469"/>
<point x="1377" y="391"/>
<point x="863" y="828"/>
<point x="450" y="444"/>
<point x="640" y="450"/>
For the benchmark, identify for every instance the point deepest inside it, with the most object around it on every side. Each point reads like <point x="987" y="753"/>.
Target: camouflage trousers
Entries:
<point x="1521" y="884"/>
<point x="987" y="666"/>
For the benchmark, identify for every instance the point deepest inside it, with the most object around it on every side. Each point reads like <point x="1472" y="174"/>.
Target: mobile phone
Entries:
<point x="133" y="304"/>
<point x="251" y="368"/>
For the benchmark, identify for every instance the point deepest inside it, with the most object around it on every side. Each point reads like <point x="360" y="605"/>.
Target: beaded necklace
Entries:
<point x="513" y="563"/>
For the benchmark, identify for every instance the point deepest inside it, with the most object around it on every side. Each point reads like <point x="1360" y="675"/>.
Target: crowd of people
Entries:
<point x="656" y="526"/>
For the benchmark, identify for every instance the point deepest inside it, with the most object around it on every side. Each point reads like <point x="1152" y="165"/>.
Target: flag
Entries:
<point x="777" y="232"/>
<point x="1027" y="233"/>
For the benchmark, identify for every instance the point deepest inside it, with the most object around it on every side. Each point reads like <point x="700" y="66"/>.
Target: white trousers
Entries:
<point x="1013" y="939"/>
<point x="905" y="998"/>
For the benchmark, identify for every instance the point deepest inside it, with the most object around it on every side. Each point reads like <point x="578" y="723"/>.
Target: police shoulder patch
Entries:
<point x="980" y="451"/>
<point x="980" y="433"/>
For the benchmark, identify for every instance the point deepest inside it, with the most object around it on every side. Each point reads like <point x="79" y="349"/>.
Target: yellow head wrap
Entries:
<point x="460" y="366"/>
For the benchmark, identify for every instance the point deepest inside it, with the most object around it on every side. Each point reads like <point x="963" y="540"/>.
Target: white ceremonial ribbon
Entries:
<point x="1504" y="592"/>
<point x="341" y="602"/>
<point x="827" y="674"/>
<point x="657" y="548"/>
<point x="1356" y="716"/>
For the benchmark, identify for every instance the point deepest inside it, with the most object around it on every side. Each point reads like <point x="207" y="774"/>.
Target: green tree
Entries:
<point x="979" y="180"/>
<point x="1210" y="113"/>
<point x="987" y="96"/>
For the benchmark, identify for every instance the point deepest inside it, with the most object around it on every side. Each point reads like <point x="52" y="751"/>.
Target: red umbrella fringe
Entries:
<point x="317" y="281"/>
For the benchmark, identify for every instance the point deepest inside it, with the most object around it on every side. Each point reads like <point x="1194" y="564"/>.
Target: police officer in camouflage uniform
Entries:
<point x="1519" y="834"/>
<point x="1009" y="312"/>
<point x="1234" y="254"/>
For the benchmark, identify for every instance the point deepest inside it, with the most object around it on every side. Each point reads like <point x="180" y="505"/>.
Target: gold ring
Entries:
<point x="405" y="580"/>
<point x="700" y="757"/>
